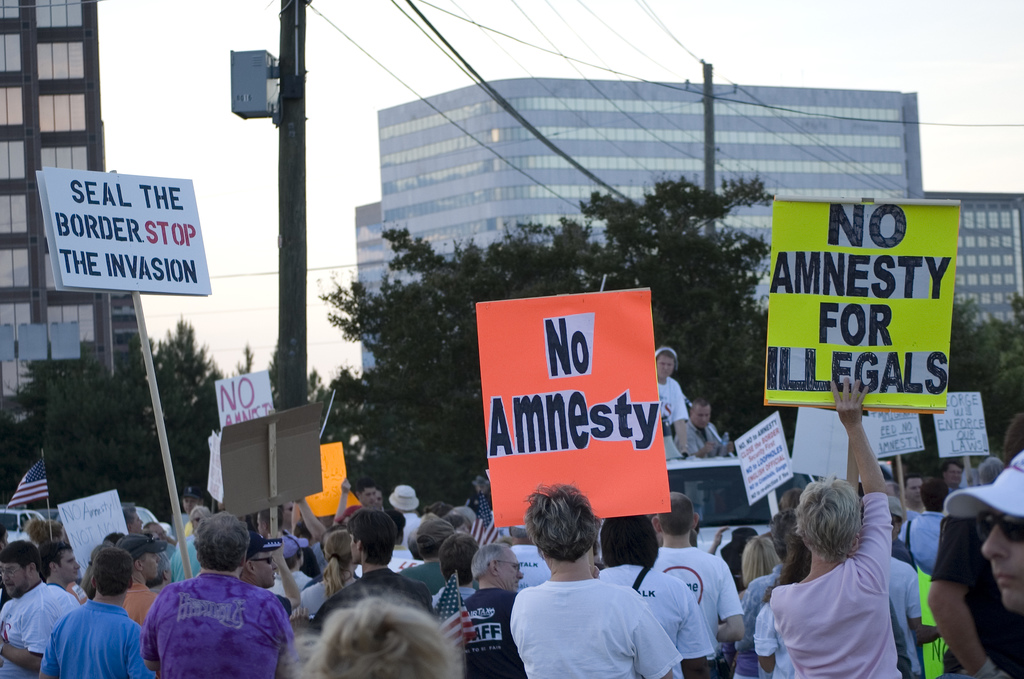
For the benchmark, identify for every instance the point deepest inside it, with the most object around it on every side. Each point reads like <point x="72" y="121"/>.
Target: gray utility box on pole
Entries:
<point x="255" y="85"/>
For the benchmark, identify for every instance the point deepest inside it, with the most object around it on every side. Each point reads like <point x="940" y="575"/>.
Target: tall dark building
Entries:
<point x="49" y="117"/>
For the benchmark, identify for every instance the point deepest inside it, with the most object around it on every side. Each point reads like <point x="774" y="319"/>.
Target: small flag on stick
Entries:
<point x="456" y="625"/>
<point x="483" y="530"/>
<point x="32" y="487"/>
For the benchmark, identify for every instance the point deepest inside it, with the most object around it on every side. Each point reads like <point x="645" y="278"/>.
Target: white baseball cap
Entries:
<point x="1005" y="494"/>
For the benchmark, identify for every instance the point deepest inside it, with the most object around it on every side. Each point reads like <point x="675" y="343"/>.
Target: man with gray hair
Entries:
<point x="493" y="653"/>
<point x="535" y="570"/>
<point x="989" y="470"/>
<point x="215" y="625"/>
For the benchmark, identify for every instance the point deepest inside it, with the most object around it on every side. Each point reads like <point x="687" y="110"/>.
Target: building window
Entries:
<point x="60" y="60"/>
<point x="972" y="260"/>
<point x="10" y="55"/>
<point x="13" y="268"/>
<point x="9" y="9"/>
<point x="997" y="279"/>
<point x="982" y="260"/>
<point x="10" y="106"/>
<point x="12" y="160"/>
<point x="14" y="372"/>
<point x="12" y="214"/>
<point x="968" y="220"/>
<point x="69" y="157"/>
<point x="972" y="279"/>
<point x="61" y="112"/>
<point x="59" y="13"/>
<point x="984" y="279"/>
<point x="970" y="241"/>
<point x="74" y="313"/>
<point x="1007" y="260"/>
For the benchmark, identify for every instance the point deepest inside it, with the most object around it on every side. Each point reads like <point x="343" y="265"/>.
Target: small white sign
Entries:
<point x="961" y="429"/>
<point x="109" y="231"/>
<point x="89" y="519"/>
<point x="244" y="398"/>
<point x="821" y="446"/>
<point x="898" y="434"/>
<point x="215" y="478"/>
<point x="764" y="458"/>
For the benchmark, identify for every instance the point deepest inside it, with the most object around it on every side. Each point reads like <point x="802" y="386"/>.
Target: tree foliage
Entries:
<point x="97" y="429"/>
<point x="416" y="416"/>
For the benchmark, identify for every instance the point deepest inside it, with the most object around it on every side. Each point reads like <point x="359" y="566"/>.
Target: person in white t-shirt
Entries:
<point x="27" y="619"/>
<point x="674" y="405"/>
<point x="707" y="576"/>
<point x="532" y="565"/>
<point x="574" y="625"/>
<point x="629" y="547"/>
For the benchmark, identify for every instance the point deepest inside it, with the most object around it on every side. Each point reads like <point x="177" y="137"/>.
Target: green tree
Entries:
<point x="416" y="416"/>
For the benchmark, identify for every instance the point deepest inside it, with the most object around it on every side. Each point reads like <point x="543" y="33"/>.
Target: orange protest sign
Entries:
<point x="332" y="466"/>
<point x="570" y="395"/>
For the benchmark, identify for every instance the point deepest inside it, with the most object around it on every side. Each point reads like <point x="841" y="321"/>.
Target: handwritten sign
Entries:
<point x="244" y="397"/>
<point x="764" y="458"/>
<point x="570" y="395"/>
<point x="898" y="433"/>
<point x="215" y="476"/>
<point x="88" y="520"/>
<point x="961" y="429"/>
<point x="863" y="291"/>
<point x="108" y="231"/>
<point x="333" y="472"/>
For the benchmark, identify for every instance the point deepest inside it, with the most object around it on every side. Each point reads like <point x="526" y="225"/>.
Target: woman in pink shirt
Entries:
<point x="835" y="623"/>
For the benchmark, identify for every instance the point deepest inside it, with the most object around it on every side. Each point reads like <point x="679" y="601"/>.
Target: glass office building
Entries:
<point x="443" y="180"/>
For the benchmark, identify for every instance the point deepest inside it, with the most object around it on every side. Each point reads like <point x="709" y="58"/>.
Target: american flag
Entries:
<point x="483" y="530"/>
<point x="32" y="486"/>
<point x="456" y="625"/>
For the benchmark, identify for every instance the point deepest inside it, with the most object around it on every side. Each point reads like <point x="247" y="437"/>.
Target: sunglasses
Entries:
<point x="1012" y="528"/>
<point x="268" y="559"/>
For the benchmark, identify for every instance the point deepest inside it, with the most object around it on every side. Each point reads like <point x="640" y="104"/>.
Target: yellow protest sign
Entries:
<point x="332" y="466"/>
<point x="865" y="291"/>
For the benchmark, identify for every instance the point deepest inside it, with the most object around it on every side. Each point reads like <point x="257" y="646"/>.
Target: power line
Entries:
<point x="716" y="97"/>
<point x="274" y="273"/>
<point x="511" y="110"/>
<point x="439" y="111"/>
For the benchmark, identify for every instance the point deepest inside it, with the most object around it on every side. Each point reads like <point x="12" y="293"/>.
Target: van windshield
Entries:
<point x="719" y="496"/>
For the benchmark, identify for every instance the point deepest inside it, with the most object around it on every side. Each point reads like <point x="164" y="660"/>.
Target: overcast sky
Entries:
<point x="165" y="78"/>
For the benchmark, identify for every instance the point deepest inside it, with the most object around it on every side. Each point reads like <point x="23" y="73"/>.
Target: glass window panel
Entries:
<point x="14" y="116"/>
<point x="63" y="156"/>
<point x="46" y="118"/>
<point x="16" y="151"/>
<point x="85" y="324"/>
<point x="12" y="52"/>
<point x="76" y="60"/>
<point x="6" y="269"/>
<point x="20" y="263"/>
<point x="50" y="284"/>
<point x="44" y="60"/>
<point x="60" y="61"/>
<point x="61" y="113"/>
<point x="77" y="106"/>
<point x="79" y="158"/>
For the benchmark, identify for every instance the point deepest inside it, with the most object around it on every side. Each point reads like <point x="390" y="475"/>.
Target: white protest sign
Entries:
<point x="961" y="429"/>
<point x="821" y="446"/>
<point x="215" y="478"/>
<point x="898" y="434"/>
<point x="244" y="398"/>
<point x="109" y="231"/>
<point x="764" y="458"/>
<point x="89" y="519"/>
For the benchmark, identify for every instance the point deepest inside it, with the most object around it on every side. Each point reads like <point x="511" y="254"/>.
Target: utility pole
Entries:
<point x="291" y="197"/>
<point x="709" y="140"/>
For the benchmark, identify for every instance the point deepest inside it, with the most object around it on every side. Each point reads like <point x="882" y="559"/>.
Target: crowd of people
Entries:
<point x="830" y="591"/>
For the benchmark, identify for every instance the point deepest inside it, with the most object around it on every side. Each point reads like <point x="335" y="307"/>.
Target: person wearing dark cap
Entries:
<point x="215" y="625"/>
<point x="191" y="498"/>
<point x="145" y="552"/>
<point x="262" y="564"/>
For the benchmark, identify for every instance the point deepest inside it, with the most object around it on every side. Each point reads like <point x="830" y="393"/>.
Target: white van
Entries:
<point x="715" y="485"/>
<point x="14" y="521"/>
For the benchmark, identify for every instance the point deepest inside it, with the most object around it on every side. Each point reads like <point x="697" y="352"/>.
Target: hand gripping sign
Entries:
<point x="570" y="395"/>
<point x="863" y="291"/>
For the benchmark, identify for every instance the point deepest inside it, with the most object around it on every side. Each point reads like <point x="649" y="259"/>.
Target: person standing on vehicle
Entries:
<point x="674" y="404"/>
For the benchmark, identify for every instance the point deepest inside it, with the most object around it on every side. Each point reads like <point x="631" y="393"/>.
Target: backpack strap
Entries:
<point x="640" y="578"/>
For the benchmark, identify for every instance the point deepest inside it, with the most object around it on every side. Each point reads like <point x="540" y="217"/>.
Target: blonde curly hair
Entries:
<point x="377" y="639"/>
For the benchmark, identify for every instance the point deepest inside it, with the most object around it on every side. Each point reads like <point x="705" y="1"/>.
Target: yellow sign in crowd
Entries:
<point x="865" y="291"/>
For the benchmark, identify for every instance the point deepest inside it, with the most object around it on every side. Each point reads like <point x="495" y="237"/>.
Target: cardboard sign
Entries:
<point x="961" y="429"/>
<point x="90" y="519"/>
<point x="333" y="472"/>
<point x="898" y="434"/>
<point x="246" y="454"/>
<point x="821" y="446"/>
<point x="863" y="291"/>
<point x="109" y="231"/>
<point x="215" y="476"/>
<point x="570" y="395"/>
<point x="764" y="458"/>
<point x="244" y="397"/>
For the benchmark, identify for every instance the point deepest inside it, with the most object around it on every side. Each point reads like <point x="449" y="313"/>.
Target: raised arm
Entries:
<point x="850" y="407"/>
